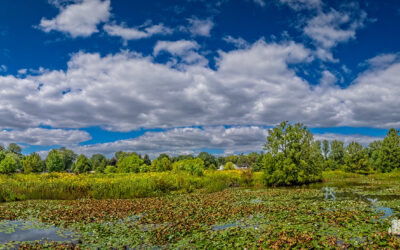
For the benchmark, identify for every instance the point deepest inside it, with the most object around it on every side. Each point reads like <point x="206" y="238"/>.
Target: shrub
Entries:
<point x="229" y="166"/>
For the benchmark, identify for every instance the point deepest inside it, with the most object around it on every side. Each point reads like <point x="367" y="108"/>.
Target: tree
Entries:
<point x="243" y="161"/>
<point x="146" y="160"/>
<point x="14" y="148"/>
<point x="208" y="159"/>
<point x="325" y="149"/>
<point x="8" y="165"/>
<point x="68" y="158"/>
<point x="99" y="162"/>
<point x="54" y="161"/>
<point x="290" y="158"/>
<point x="232" y="158"/>
<point x="160" y="165"/>
<point x="82" y="164"/>
<point x="229" y="166"/>
<point x="129" y="163"/>
<point x="32" y="163"/>
<point x="374" y="151"/>
<point x="356" y="159"/>
<point x="389" y="155"/>
<point x="258" y="164"/>
<point x="336" y="154"/>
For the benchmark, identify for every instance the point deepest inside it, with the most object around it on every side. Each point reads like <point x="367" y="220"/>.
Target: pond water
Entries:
<point x="19" y="231"/>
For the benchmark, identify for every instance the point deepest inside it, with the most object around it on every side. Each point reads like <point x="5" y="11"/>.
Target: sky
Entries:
<point x="185" y="76"/>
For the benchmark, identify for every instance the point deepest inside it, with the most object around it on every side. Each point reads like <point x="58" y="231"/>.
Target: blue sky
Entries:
<point x="185" y="76"/>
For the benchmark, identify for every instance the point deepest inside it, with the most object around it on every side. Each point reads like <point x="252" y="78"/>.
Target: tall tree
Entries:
<point x="290" y="156"/>
<point x="389" y="157"/>
<point x="68" y="157"/>
<point x="146" y="160"/>
<point x="32" y="163"/>
<point x="9" y="164"/>
<point x="325" y="149"/>
<point x="208" y="159"/>
<point x="82" y="164"/>
<point x="336" y="154"/>
<point x="356" y="159"/>
<point x="54" y="161"/>
<point x="14" y="148"/>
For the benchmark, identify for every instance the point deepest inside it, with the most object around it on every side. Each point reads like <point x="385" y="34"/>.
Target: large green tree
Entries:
<point x="82" y="164"/>
<point x="99" y="162"/>
<point x="389" y="156"/>
<point x="9" y="164"/>
<point x="356" y="159"/>
<point x="290" y="158"/>
<point x="336" y="154"/>
<point x="54" y="161"/>
<point x="32" y="163"/>
<point x="129" y="163"/>
<point x="208" y="159"/>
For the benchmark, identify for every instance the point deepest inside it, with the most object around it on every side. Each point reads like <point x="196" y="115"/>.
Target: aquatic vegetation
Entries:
<point x="301" y="217"/>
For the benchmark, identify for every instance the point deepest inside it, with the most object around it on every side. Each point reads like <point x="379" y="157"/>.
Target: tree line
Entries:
<point x="290" y="156"/>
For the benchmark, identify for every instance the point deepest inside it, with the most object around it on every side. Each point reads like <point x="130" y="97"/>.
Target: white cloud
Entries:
<point x="186" y="141"/>
<point x="79" y="18"/>
<point x="43" y="137"/>
<point x="198" y="27"/>
<point x="303" y="4"/>
<point x="136" y="33"/>
<point x="257" y="85"/>
<point x="237" y="42"/>
<point x="184" y="49"/>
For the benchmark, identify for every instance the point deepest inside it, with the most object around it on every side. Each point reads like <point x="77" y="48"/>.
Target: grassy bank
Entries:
<point x="63" y="186"/>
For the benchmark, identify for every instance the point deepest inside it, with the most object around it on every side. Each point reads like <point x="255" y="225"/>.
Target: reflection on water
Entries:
<point x="331" y="193"/>
<point x="19" y="230"/>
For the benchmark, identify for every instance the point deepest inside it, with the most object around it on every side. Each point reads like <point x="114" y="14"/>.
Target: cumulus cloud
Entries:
<point x="43" y="137"/>
<point x="257" y="85"/>
<point x="329" y="29"/>
<point x="145" y="31"/>
<point x="184" y="49"/>
<point x="186" y="141"/>
<point x="78" y="19"/>
<point x="199" y="27"/>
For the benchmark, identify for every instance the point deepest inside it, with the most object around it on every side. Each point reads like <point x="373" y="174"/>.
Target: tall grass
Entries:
<point x="64" y="186"/>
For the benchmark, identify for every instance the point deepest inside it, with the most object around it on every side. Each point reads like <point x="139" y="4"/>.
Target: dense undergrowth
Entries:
<point x="64" y="186"/>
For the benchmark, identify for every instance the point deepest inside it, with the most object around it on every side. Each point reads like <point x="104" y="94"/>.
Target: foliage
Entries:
<point x="54" y="161"/>
<point x="336" y="154"/>
<point x="14" y="148"/>
<point x="110" y="170"/>
<point x="82" y="164"/>
<point x="160" y="165"/>
<point x="128" y="163"/>
<point x="9" y="164"/>
<point x="229" y="166"/>
<point x="32" y="163"/>
<point x="291" y="156"/>
<point x="356" y="159"/>
<point x="208" y="159"/>
<point x="193" y="166"/>
<point x="389" y="154"/>
<point x="99" y="162"/>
